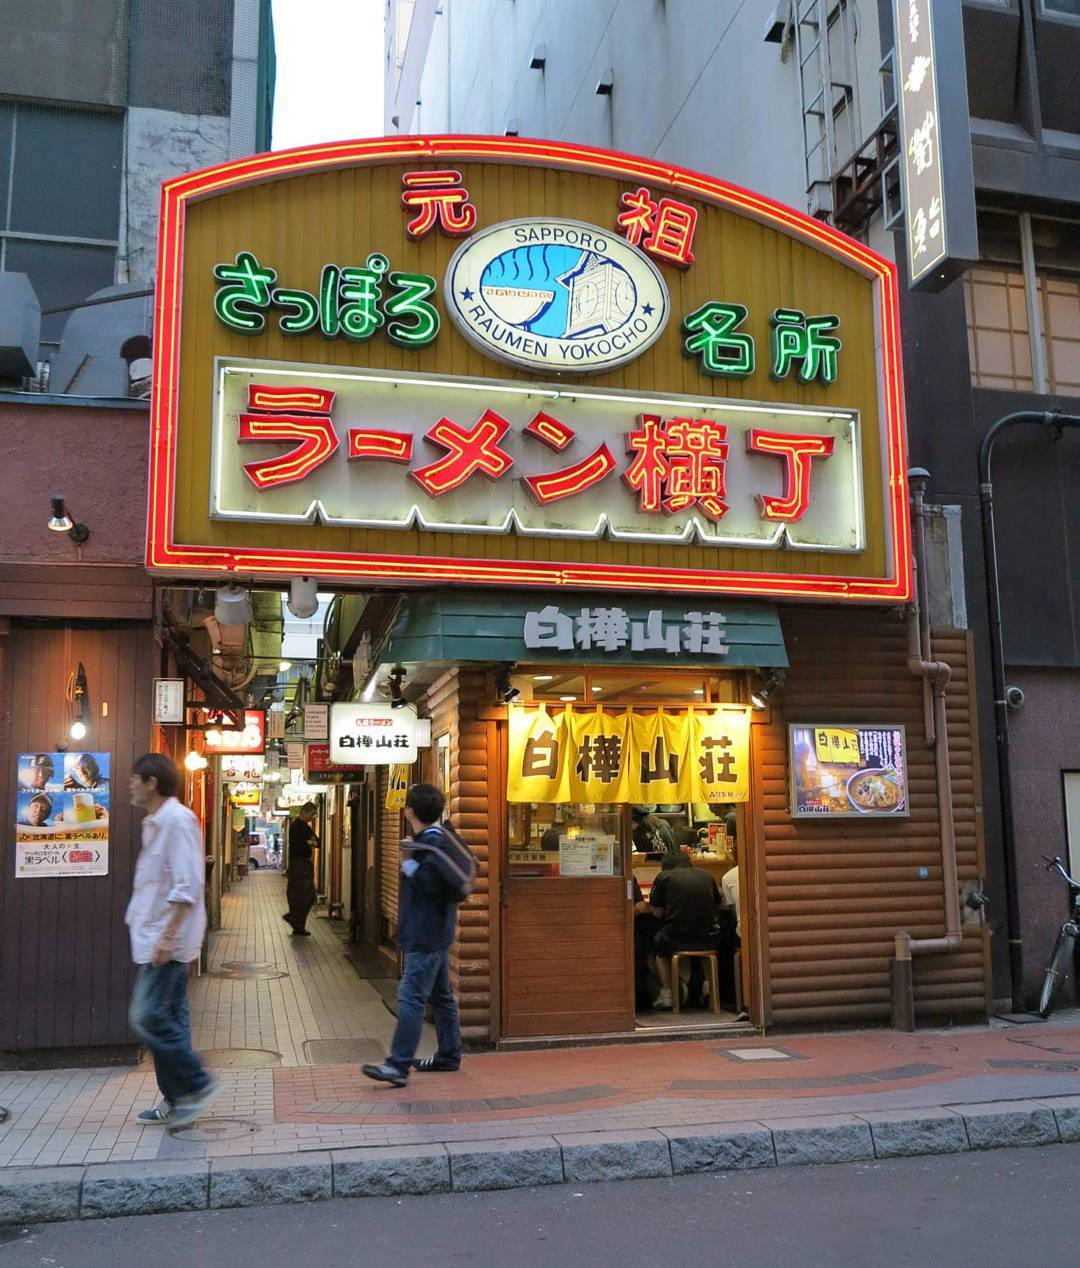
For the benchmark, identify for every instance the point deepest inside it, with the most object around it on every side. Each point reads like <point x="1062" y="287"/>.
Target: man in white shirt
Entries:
<point x="166" y="919"/>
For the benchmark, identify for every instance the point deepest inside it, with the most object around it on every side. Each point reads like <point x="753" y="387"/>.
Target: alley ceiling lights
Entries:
<point x="303" y="597"/>
<point x="61" y="522"/>
<point x="232" y="605"/>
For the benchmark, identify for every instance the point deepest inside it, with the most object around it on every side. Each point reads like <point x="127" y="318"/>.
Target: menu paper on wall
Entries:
<point x="587" y="854"/>
<point x="62" y="809"/>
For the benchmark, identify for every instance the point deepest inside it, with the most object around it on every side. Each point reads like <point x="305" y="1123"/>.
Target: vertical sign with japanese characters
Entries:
<point x="938" y="211"/>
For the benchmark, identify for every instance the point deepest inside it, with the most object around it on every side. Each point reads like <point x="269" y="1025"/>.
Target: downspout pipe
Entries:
<point x="1057" y="421"/>
<point x="936" y="674"/>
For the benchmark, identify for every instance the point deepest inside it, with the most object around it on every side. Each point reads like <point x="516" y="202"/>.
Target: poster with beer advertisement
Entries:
<point x="848" y="771"/>
<point x="62" y="815"/>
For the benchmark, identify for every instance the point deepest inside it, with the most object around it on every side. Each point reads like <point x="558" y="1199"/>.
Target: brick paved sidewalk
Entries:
<point x="86" y="1116"/>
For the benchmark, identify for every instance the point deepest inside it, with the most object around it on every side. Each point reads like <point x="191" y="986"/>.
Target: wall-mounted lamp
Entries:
<point x="538" y="60"/>
<point x="195" y="762"/>
<point x="61" y="522"/>
<point x="397" y="696"/>
<point x="605" y="83"/>
<point x="77" y="691"/>
<point x="766" y="685"/>
<point x="506" y="689"/>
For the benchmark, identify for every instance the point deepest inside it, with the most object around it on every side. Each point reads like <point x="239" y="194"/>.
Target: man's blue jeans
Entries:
<point x="426" y="977"/>
<point x="159" y="1016"/>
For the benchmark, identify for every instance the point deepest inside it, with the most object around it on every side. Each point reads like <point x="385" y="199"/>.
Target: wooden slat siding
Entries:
<point x="65" y="970"/>
<point x="117" y="592"/>
<point x="833" y="894"/>
<point x="389" y="829"/>
<point x="453" y="703"/>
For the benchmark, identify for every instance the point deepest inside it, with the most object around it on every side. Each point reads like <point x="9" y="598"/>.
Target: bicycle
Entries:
<point x="1062" y="959"/>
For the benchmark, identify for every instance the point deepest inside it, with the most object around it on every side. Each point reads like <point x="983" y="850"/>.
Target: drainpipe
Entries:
<point x="935" y="675"/>
<point x="1044" y="418"/>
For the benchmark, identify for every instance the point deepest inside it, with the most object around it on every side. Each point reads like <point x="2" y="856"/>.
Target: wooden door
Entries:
<point x="567" y="956"/>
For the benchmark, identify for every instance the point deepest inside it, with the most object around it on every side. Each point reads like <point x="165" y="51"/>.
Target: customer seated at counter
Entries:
<point x="687" y="902"/>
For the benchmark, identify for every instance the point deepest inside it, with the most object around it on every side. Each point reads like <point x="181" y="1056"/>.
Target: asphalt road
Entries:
<point x="1002" y="1208"/>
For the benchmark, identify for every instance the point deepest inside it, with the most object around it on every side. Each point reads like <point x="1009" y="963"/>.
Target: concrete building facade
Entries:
<point x="740" y="91"/>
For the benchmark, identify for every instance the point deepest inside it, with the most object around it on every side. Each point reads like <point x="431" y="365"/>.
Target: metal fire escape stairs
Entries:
<point x="825" y="32"/>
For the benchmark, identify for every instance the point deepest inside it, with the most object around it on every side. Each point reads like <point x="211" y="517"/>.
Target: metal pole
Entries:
<point x="1044" y="418"/>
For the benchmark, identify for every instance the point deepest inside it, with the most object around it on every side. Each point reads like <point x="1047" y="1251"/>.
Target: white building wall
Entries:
<point x="693" y="81"/>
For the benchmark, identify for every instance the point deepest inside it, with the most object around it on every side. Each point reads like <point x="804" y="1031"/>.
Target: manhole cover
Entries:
<point x="247" y="969"/>
<point x="924" y="1045"/>
<point x="210" y="1130"/>
<point x="240" y="1058"/>
<point x="343" y="1051"/>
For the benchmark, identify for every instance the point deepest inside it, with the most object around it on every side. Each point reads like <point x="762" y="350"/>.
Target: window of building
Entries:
<point x="60" y="175"/>
<point x="1071" y="782"/>
<point x="1023" y="304"/>
<point x="1071" y="7"/>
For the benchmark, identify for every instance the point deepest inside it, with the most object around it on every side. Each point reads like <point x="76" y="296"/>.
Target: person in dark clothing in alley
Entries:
<point x="301" y="869"/>
<point x="437" y="873"/>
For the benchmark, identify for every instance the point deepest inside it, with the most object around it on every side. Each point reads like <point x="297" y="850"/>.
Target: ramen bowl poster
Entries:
<point x="849" y="771"/>
<point x="62" y="810"/>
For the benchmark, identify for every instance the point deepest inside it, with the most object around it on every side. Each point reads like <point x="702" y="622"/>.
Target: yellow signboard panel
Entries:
<point x="521" y="363"/>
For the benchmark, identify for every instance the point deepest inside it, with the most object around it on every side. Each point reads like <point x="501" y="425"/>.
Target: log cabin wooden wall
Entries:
<point x="831" y="895"/>
<point x="454" y="704"/>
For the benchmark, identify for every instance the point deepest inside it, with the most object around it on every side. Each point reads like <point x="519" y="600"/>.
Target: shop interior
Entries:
<point x="643" y="842"/>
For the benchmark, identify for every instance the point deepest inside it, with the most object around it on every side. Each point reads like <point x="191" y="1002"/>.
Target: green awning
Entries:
<point x="456" y="626"/>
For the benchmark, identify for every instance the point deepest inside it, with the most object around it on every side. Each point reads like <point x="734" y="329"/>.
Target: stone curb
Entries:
<point x="30" y="1195"/>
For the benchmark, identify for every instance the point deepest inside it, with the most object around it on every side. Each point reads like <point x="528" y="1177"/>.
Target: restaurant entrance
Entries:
<point x="599" y="893"/>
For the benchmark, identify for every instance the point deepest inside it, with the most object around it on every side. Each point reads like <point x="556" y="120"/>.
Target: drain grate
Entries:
<point x="240" y="1058"/>
<point x="343" y="1051"/>
<point x="210" y="1130"/>
<point x="246" y="970"/>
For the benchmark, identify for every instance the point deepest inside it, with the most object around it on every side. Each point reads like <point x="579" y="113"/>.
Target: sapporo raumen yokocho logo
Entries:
<point x="555" y="295"/>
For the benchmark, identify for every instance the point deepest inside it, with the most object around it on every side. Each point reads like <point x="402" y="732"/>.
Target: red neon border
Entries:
<point x="163" y="554"/>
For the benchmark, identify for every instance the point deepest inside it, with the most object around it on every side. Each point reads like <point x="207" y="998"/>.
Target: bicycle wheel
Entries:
<point x="1057" y="972"/>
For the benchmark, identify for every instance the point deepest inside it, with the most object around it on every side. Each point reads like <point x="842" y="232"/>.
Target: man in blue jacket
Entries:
<point x="437" y="873"/>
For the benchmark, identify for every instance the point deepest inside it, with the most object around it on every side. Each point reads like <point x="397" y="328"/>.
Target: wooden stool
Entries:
<point x="676" y="981"/>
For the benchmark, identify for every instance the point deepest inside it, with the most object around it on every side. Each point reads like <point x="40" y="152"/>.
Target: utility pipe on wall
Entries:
<point x="935" y="675"/>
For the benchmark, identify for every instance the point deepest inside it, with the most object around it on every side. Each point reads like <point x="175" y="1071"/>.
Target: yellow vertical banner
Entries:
<point x="537" y="751"/>
<point x="661" y="757"/>
<point x="597" y="762"/>
<point x="397" y="788"/>
<point x="720" y="745"/>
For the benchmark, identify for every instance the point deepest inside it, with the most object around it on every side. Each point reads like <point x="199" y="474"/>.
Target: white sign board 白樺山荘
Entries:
<point x="372" y="734"/>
